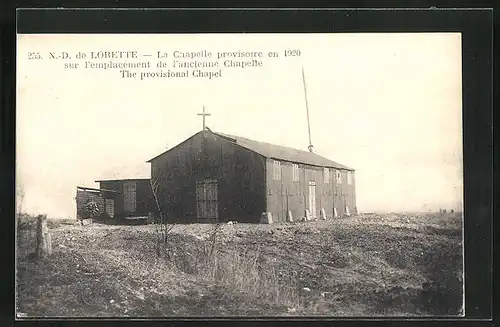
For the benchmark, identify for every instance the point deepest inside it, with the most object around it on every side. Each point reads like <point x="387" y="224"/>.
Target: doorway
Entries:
<point x="207" y="202"/>
<point x="312" y="199"/>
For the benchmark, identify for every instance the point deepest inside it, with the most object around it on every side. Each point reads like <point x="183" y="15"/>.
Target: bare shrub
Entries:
<point x="244" y="272"/>
<point x="162" y="226"/>
<point x="90" y="210"/>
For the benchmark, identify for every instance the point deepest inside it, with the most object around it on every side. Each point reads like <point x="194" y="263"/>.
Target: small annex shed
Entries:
<point x="218" y="177"/>
<point x="104" y="199"/>
<point x="124" y="193"/>
<point x="133" y="198"/>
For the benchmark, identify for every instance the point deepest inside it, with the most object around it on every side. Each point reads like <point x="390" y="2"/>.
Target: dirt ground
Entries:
<point x="364" y="265"/>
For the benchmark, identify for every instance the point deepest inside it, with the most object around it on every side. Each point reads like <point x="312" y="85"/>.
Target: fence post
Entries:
<point x="43" y="237"/>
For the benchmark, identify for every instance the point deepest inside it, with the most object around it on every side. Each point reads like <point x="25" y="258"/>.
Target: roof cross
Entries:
<point x="204" y="114"/>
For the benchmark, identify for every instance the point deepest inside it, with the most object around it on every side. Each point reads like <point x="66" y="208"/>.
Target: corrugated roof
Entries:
<point x="122" y="172"/>
<point x="279" y="152"/>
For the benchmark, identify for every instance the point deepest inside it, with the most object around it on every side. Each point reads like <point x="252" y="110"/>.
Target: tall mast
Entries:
<point x="310" y="147"/>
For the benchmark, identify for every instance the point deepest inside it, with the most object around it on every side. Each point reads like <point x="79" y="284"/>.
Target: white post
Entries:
<point x="322" y="214"/>
<point x="307" y="215"/>
<point x="266" y="218"/>
<point x="289" y="216"/>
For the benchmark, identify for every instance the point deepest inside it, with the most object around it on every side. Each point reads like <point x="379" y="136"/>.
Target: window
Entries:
<point x="276" y="170"/>
<point x="349" y="177"/>
<point x="326" y="175"/>
<point x="295" y="172"/>
<point x="339" y="177"/>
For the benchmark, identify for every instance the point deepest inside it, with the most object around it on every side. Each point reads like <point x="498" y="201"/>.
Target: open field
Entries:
<point x="365" y="265"/>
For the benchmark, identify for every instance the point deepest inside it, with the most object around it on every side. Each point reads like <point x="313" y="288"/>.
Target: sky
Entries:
<point x="387" y="105"/>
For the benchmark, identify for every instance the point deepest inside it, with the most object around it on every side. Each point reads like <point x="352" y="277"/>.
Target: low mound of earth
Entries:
<point x="364" y="265"/>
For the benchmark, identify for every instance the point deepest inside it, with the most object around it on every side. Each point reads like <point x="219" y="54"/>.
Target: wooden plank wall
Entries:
<point x="240" y="174"/>
<point x="286" y="194"/>
<point x="145" y="201"/>
<point x="144" y="196"/>
<point x="83" y="197"/>
<point x="115" y="186"/>
<point x="246" y="186"/>
<point x="176" y="173"/>
<point x="242" y="188"/>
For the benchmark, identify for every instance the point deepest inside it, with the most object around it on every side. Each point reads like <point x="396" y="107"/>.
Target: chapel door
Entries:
<point x="312" y="199"/>
<point x="207" y="199"/>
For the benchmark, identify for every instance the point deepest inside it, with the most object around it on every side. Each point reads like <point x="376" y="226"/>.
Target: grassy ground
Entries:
<point x="366" y="265"/>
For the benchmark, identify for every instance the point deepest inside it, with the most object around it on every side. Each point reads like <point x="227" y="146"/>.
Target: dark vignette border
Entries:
<point x="475" y="26"/>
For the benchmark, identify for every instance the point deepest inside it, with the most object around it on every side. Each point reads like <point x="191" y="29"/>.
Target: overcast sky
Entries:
<point x="388" y="105"/>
